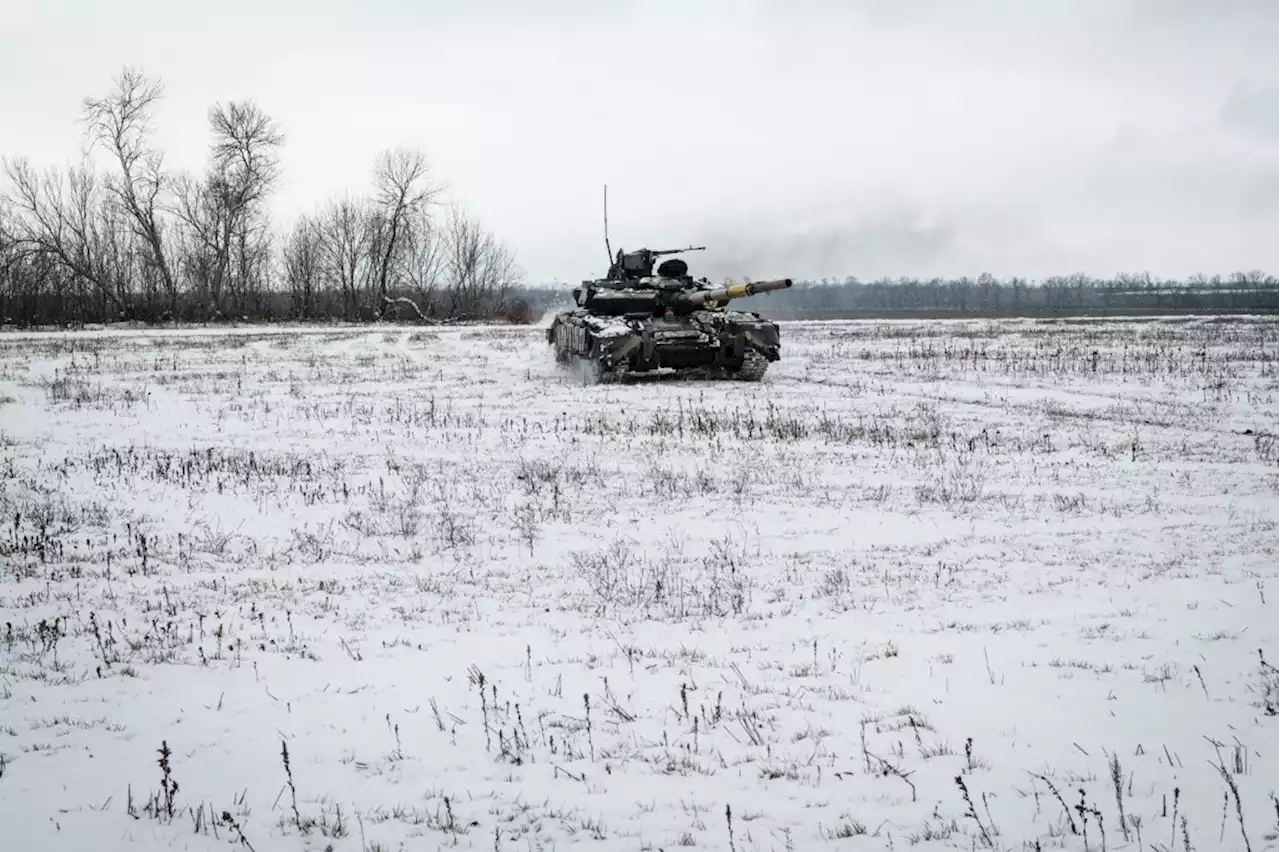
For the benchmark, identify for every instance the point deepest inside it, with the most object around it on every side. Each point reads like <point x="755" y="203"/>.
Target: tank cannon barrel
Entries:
<point x="736" y="291"/>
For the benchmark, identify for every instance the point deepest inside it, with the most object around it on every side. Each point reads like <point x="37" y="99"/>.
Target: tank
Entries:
<point x="639" y="323"/>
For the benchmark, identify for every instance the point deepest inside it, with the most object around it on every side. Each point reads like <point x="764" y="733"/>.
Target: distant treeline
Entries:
<point x="131" y="240"/>
<point x="1240" y="292"/>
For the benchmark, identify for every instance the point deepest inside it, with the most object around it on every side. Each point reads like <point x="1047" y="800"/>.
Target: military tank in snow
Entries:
<point x="638" y="323"/>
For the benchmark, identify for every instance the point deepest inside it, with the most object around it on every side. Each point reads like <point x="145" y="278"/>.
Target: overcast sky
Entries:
<point x="797" y="137"/>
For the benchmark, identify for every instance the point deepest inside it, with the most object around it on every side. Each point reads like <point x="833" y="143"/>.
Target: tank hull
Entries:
<point x="720" y="344"/>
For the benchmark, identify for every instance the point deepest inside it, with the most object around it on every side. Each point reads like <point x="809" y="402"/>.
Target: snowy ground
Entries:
<point x="931" y="585"/>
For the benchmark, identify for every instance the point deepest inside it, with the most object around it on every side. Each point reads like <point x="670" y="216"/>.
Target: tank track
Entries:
<point x="754" y="366"/>
<point x="593" y="371"/>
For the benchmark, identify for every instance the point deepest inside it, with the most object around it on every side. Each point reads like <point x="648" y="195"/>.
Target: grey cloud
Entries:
<point x="894" y="242"/>
<point x="1253" y="108"/>
<point x="812" y="137"/>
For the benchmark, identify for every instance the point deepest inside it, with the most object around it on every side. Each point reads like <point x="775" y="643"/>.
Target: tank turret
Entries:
<point x="635" y="265"/>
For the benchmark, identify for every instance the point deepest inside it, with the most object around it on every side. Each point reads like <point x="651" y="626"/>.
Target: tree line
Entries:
<point x="134" y="241"/>
<point x="1082" y="295"/>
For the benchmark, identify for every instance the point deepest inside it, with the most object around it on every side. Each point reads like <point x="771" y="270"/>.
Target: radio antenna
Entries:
<point x="607" y="247"/>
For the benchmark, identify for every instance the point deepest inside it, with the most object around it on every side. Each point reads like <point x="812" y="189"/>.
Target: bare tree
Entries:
<point x="56" y="219"/>
<point x="345" y="233"/>
<point x="200" y="240"/>
<point x="303" y="265"/>
<point x="8" y="255"/>
<point x="480" y="270"/>
<point x="244" y="168"/>
<point x="121" y="122"/>
<point x="245" y="153"/>
<point x="225" y="251"/>
<point x="498" y="274"/>
<point x="402" y="187"/>
<point x="424" y="259"/>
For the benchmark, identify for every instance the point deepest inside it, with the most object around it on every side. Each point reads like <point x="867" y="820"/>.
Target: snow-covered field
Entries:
<point x="930" y="585"/>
